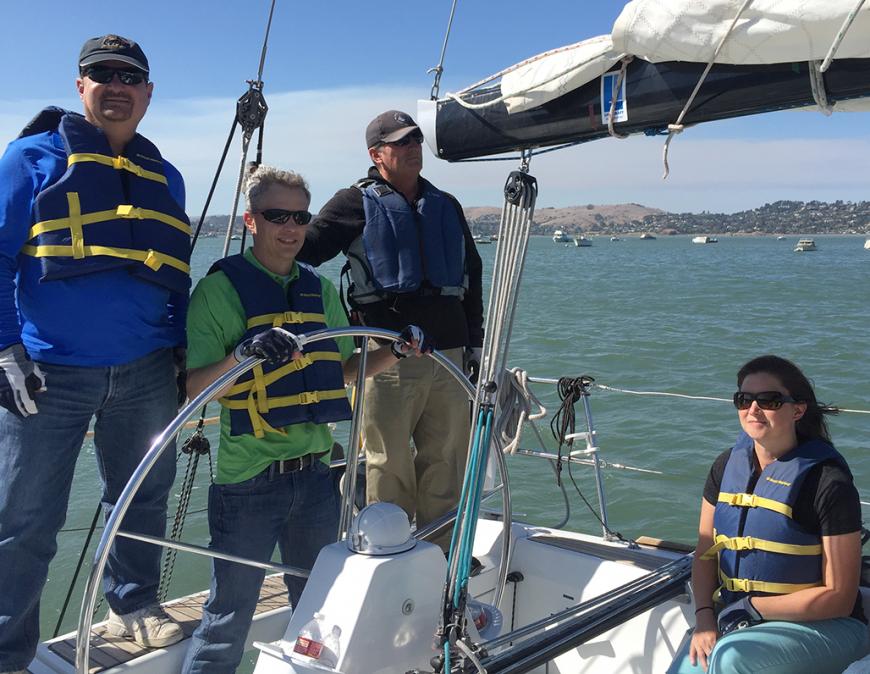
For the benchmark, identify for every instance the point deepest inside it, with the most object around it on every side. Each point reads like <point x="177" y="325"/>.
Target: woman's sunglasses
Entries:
<point x="280" y="216"/>
<point x="766" y="400"/>
<point x="104" y="75"/>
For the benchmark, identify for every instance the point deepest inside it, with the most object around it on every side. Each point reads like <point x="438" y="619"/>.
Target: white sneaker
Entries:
<point x="149" y="627"/>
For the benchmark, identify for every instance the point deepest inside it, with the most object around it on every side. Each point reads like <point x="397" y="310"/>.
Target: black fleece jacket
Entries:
<point x="448" y="321"/>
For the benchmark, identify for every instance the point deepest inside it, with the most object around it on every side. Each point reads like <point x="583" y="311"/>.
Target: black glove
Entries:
<point x="471" y="357"/>
<point x="179" y="359"/>
<point x="411" y="336"/>
<point x="20" y="379"/>
<point x="738" y="615"/>
<point x="275" y="345"/>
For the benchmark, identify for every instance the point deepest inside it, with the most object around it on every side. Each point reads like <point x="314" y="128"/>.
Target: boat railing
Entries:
<point x="163" y="441"/>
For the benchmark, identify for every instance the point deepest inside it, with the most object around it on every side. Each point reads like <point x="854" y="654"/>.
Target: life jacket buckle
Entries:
<point x="309" y="397"/>
<point x="152" y="260"/>
<point x="129" y="211"/>
<point x="292" y="317"/>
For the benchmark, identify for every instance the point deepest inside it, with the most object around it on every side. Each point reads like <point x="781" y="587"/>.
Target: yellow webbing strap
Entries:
<point x="753" y="501"/>
<point x="64" y="223"/>
<point x="749" y="543"/>
<point x="151" y="258"/>
<point x="277" y="320"/>
<point x="117" y="163"/>
<point x="130" y="212"/>
<point x="747" y="585"/>
<point x="75" y="225"/>
<point x="259" y="386"/>
<point x="293" y="366"/>
<point x="123" y="211"/>
<point x="260" y="425"/>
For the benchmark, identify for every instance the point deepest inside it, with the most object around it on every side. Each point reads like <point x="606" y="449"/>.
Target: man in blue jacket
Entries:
<point x="94" y="281"/>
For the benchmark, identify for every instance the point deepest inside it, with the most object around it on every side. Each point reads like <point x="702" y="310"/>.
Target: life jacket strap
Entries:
<point x="77" y="236"/>
<point x="748" y="585"/>
<point x="151" y="258"/>
<point x="260" y="425"/>
<point x="750" y="543"/>
<point x="129" y="212"/>
<point x="117" y="163"/>
<point x="276" y="374"/>
<point x="291" y="317"/>
<point x="77" y="219"/>
<point x="753" y="501"/>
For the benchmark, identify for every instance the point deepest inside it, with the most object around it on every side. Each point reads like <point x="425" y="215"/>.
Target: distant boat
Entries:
<point x="780" y="238"/>
<point x="867" y="244"/>
<point x="582" y="242"/>
<point x="236" y="237"/>
<point x="560" y="237"/>
<point x="805" y="245"/>
<point x="705" y="239"/>
<point x="493" y="237"/>
<point x="647" y="236"/>
<point x="615" y="238"/>
<point x="480" y="239"/>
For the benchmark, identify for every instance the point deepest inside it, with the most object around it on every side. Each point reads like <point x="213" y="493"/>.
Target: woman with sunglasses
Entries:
<point x="776" y="568"/>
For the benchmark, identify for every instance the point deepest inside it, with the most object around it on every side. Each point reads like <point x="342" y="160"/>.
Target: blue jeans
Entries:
<point x="780" y="647"/>
<point x="132" y="404"/>
<point x="297" y="511"/>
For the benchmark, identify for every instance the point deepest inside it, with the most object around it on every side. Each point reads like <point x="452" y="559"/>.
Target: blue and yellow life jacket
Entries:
<point x="108" y="212"/>
<point x="761" y="548"/>
<point x="269" y="397"/>
<point x="405" y="248"/>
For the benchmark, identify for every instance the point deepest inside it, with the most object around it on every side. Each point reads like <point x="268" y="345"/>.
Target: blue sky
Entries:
<point x="332" y="66"/>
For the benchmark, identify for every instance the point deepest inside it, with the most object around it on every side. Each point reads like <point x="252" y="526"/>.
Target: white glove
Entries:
<point x="20" y="378"/>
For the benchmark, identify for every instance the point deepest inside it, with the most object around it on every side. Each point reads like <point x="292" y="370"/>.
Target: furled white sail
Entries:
<point x="768" y="31"/>
<point x="548" y="76"/>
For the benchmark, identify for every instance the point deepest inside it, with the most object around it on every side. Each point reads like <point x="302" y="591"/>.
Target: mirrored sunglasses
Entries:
<point x="766" y="400"/>
<point x="280" y="216"/>
<point x="104" y="75"/>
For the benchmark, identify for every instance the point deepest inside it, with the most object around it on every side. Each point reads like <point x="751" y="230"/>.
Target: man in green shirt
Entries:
<point x="272" y="484"/>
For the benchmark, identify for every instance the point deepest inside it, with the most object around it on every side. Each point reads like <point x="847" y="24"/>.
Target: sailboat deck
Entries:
<point x="109" y="651"/>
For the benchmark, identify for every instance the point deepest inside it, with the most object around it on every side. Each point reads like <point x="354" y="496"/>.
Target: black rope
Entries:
<point x="214" y="183"/>
<point x="194" y="447"/>
<point x="571" y="390"/>
<point x="75" y="576"/>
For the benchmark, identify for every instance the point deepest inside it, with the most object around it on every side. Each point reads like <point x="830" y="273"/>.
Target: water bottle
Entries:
<point x="309" y="643"/>
<point x="331" y="651"/>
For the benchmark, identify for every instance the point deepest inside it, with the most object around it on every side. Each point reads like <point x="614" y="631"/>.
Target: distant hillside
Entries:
<point x="780" y="217"/>
<point x="590" y="218"/>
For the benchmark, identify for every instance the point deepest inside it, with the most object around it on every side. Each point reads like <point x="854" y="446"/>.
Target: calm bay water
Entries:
<point x="662" y="315"/>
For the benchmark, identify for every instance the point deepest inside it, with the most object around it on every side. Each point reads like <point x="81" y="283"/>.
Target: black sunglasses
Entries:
<point x="766" y="400"/>
<point x="415" y="137"/>
<point x="104" y="75"/>
<point x="279" y="216"/>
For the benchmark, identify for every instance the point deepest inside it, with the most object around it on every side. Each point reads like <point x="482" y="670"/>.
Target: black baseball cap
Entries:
<point x="112" y="48"/>
<point x="389" y="127"/>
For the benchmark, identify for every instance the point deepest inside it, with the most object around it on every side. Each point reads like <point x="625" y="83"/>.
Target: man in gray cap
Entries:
<point x="94" y="280"/>
<point x="411" y="259"/>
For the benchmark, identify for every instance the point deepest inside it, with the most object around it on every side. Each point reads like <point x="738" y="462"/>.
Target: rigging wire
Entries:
<point x="439" y="69"/>
<point x="677" y="127"/>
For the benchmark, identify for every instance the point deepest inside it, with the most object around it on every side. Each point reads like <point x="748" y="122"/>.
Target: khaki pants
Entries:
<point x="419" y="399"/>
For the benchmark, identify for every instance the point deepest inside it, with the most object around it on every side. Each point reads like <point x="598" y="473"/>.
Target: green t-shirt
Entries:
<point x="215" y="324"/>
